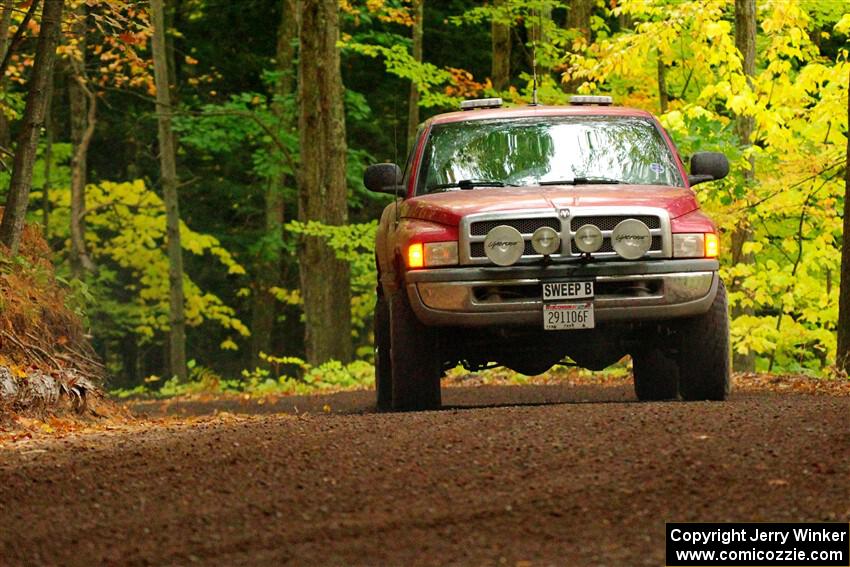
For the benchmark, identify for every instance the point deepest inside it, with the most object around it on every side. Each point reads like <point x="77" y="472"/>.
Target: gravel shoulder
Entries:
<point x="521" y="475"/>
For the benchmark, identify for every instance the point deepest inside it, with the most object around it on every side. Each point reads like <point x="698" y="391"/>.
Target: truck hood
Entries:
<point x="449" y="207"/>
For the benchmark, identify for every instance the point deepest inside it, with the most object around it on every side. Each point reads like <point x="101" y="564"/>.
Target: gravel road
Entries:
<point x="528" y="475"/>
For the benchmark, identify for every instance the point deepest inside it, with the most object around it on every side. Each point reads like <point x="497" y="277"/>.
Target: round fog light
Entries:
<point x="631" y="239"/>
<point x="504" y="245"/>
<point x="545" y="241"/>
<point x="588" y="238"/>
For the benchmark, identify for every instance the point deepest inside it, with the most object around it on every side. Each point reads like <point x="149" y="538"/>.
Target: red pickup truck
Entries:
<point x="539" y="235"/>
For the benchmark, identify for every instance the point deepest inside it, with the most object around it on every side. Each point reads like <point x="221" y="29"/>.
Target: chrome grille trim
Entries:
<point x="525" y="219"/>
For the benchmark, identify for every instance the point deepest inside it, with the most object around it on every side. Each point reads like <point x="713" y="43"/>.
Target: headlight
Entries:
<point x="441" y="254"/>
<point x="688" y="245"/>
<point x="696" y="245"/>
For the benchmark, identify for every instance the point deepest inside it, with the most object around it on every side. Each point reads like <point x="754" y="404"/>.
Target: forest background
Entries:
<point x="276" y="265"/>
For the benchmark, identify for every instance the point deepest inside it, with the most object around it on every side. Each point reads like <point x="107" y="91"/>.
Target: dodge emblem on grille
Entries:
<point x="564" y="213"/>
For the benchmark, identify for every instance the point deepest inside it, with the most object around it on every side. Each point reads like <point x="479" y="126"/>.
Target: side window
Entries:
<point x="409" y="165"/>
<point x="675" y="147"/>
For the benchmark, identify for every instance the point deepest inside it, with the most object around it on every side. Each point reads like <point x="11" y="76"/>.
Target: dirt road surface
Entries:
<point x="530" y="475"/>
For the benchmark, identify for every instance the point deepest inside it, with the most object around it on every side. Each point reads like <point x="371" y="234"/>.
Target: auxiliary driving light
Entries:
<point x="545" y="241"/>
<point x="588" y="238"/>
<point x="504" y="245"/>
<point x="631" y="239"/>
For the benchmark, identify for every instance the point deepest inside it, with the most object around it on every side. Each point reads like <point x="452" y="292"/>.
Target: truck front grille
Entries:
<point x="476" y="249"/>
<point x="474" y="230"/>
<point x="608" y="222"/>
<point x="525" y="226"/>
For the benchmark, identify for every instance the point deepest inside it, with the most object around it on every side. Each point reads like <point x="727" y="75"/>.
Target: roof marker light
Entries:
<point x="591" y="100"/>
<point x="481" y="103"/>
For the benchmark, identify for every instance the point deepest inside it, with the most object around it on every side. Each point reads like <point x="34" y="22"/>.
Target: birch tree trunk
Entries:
<point x="322" y="191"/>
<point x="501" y="44"/>
<point x="413" y="101"/>
<point x="745" y="41"/>
<point x="843" y="353"/>
<point x="33" y="121"/>
<point x="168" y="165"/>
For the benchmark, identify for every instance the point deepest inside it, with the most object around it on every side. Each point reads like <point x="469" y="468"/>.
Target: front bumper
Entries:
<point x="625" y="291"/>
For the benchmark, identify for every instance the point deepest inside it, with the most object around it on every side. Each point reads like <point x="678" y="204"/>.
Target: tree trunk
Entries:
<point x="83" y="106"/>
<point x="842" y="357"/>
<point x="263" y="312"/>
<point x="501" y="42"/>
<point x="322" y="191"/>
<point x="174" y="21"/>
<point x="663" y="97"/>
<point x="5" y="24"/>
<point x="27" y="140"/>
<point x="18" y="36"/>
<point x="745" y="41"/>
<point x="578" y="18"/>
<point x="413" y="102"/>
<point x="168" y="165"/>
<point x="48" y="162"/>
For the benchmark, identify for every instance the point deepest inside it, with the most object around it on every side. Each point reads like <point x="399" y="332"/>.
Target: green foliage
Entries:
<point x="355" y="244"/>
<point x="126" y="239"/>
<point x="259" y="382"/>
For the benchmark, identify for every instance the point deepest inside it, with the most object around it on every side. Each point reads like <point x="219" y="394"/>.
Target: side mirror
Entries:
<point x="382" y="178"/>
<point x="708" y="166"/>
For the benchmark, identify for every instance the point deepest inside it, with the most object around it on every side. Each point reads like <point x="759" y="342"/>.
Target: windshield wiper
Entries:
<point x="583" y="181"/>
<point x="470" y="184"/>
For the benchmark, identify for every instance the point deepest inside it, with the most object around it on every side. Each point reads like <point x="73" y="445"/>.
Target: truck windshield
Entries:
<point x="546" y="151"/>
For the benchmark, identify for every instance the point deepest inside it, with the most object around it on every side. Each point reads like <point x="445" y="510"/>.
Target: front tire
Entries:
<point x="383" y="364"/>
<point x="703" y="356"/>
<point x="656" y="376"/>
<point x="415" y="360"/>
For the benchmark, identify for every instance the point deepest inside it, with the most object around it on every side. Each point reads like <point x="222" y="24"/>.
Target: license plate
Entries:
<point x="566" y="316"/>
<point x="560" y="291"/>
